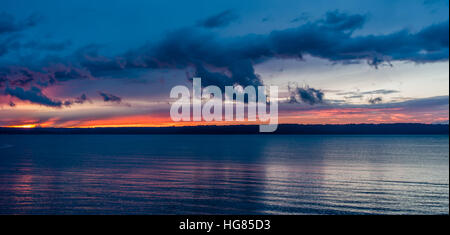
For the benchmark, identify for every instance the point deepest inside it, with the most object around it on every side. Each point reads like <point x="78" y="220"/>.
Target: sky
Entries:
<point x="113" y="63"/>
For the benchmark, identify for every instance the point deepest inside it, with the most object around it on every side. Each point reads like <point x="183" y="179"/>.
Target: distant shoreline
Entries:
<point x="283" y="129"/>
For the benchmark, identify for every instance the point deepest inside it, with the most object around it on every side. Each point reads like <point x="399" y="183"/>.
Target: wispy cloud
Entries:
<point x="107" y="97"/>
<point x="219" y="20"/>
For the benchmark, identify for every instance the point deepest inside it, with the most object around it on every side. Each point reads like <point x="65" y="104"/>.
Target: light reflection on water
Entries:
<point x="246" y="174"/>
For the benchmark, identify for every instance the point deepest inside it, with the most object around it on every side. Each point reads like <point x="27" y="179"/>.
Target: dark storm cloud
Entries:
<point x="331" y="38"/>
<point x="306" y="95"/>
<point x="8" y="23"/>
<point x="229" y="61"/>
<point x="107" y="97"/>
<point x="220" y="20"/>
<point x="33" y="95"/>
<point x="199" y="49"/>
<point x="22" y="76"/>
<point x="89" y="56"/>
<point x="375" y="100"/>
<point x="330" y="41"/>
<point x="60" y="72"/>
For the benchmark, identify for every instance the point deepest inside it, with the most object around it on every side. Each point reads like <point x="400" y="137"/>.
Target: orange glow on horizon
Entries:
<point x="23" y="126"/>
<point x="326" y="116"/>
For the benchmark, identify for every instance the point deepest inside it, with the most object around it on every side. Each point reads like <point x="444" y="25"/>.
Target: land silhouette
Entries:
<point x="283" y="129"/>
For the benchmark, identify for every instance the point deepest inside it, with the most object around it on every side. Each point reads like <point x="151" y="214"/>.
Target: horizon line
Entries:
<point x="35" y="126"/>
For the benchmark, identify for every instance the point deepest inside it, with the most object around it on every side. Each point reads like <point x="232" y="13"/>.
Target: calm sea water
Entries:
<point x="208" y="174"/>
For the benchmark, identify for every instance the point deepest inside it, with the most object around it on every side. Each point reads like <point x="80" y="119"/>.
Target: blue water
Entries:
<point x="208" y="174"/>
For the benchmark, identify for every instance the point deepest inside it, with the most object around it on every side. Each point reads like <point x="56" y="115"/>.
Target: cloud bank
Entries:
<point x="228" y="61"/>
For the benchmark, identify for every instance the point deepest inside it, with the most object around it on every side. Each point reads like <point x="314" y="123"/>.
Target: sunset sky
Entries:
<point x="113" y="63"/>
